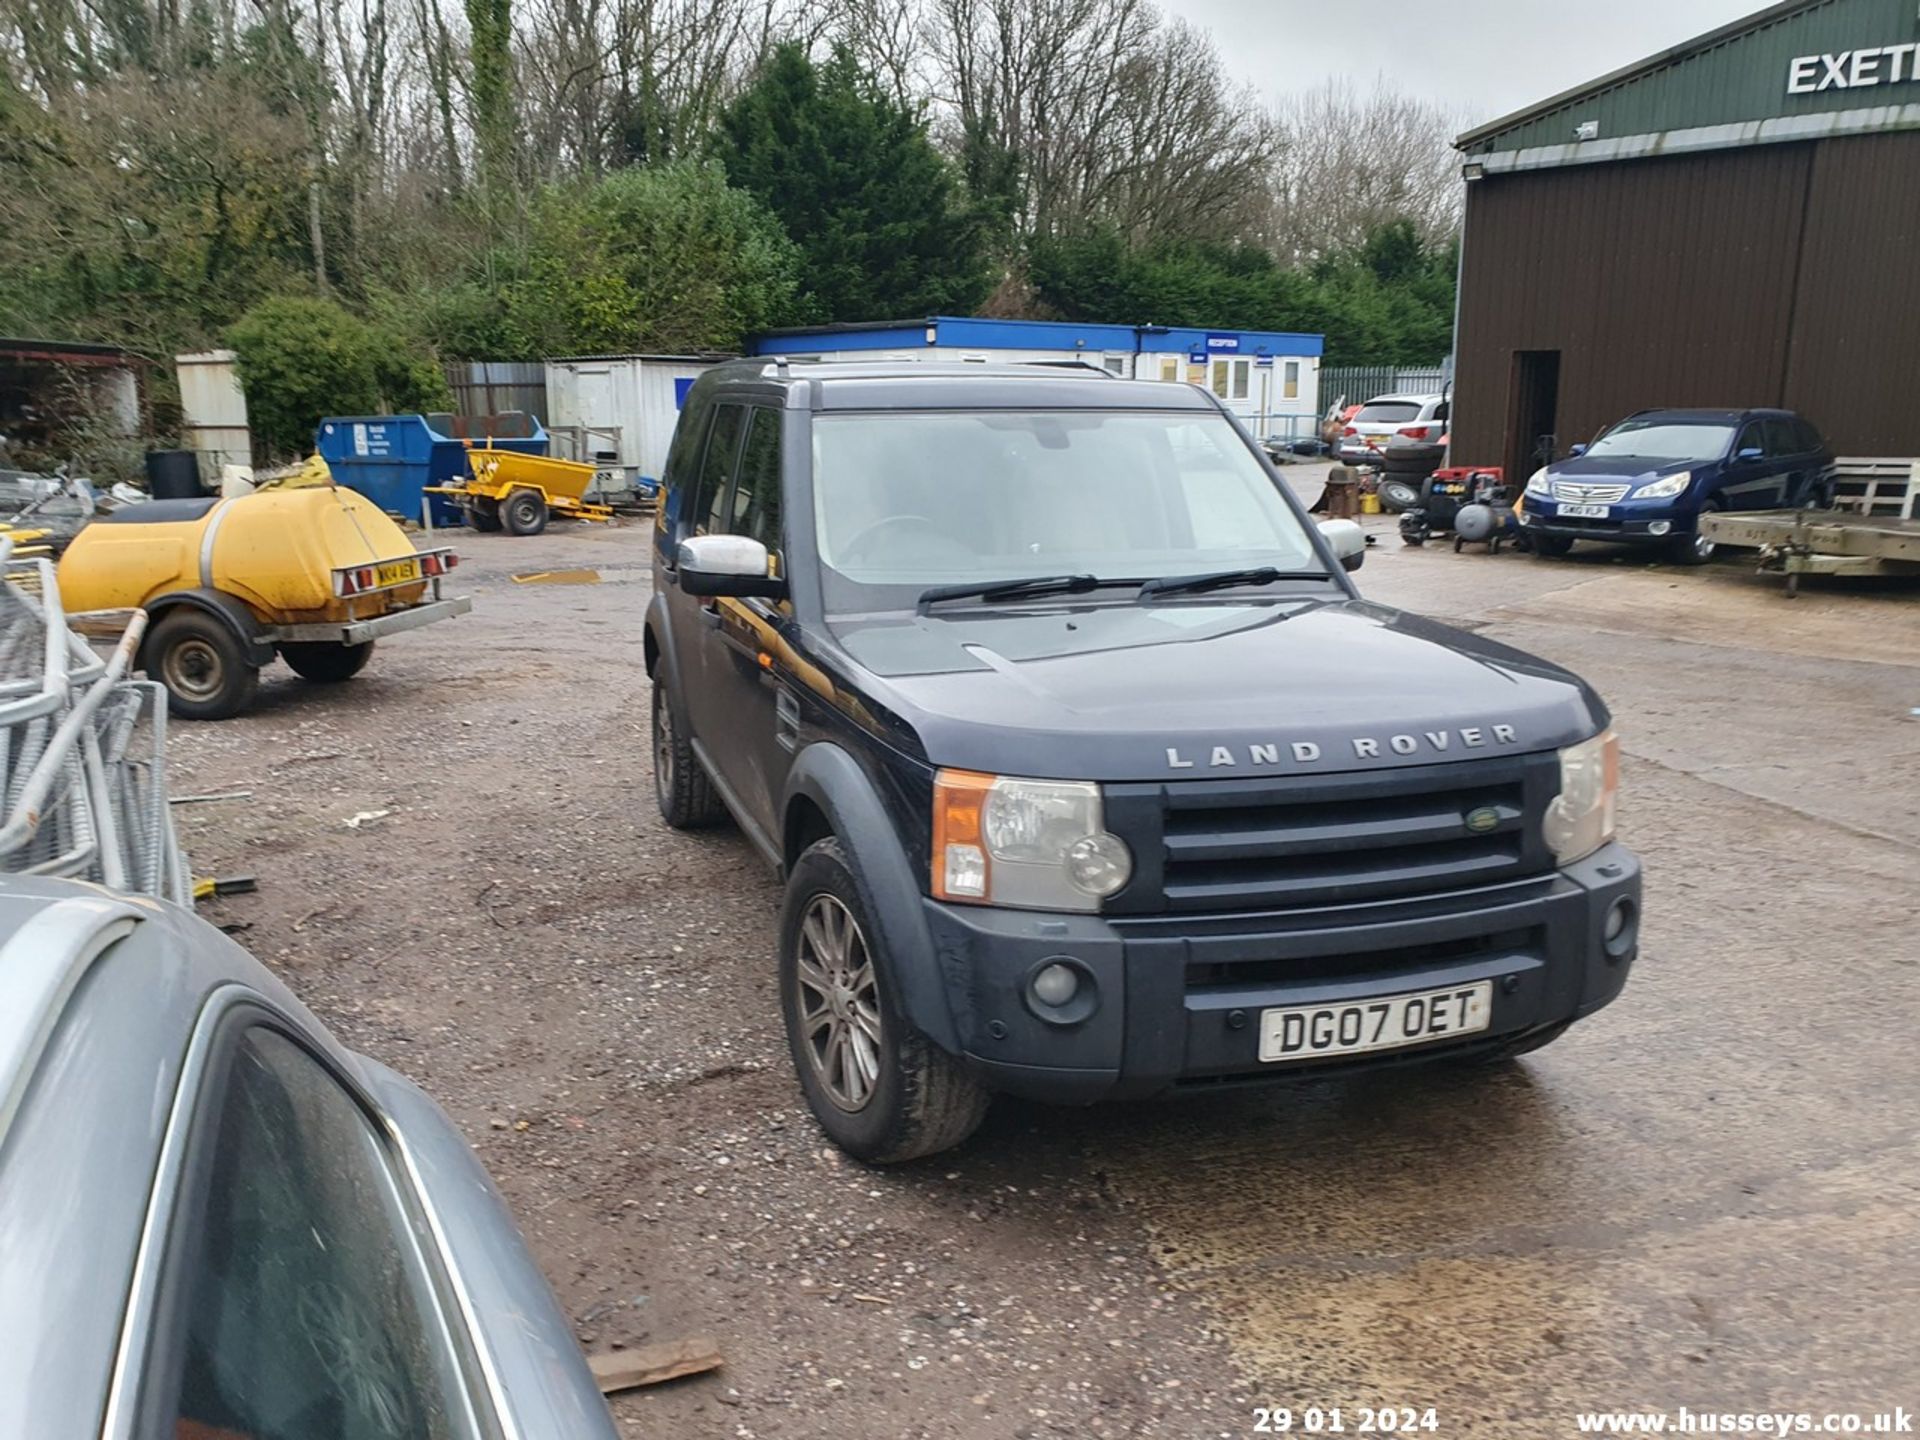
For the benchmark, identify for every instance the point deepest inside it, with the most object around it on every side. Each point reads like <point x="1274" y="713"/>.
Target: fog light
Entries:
<point x="1659" y="527"/>
<point x="1062" y="991"/>
<point x="1055" y="985"/>
<point x="1621" y="929"/>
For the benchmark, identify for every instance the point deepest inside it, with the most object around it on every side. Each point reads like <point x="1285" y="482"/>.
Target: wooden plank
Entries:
<point x="654" y="1364"/>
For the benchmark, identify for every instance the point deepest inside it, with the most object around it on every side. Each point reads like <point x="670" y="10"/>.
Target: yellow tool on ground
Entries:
<point x="314" y="572"/>
<point x="515" y="492"/>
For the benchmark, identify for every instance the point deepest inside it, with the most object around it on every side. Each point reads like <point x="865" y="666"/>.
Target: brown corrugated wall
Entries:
<point x="1854" y="365"/>
<point x="1780" y="274"/>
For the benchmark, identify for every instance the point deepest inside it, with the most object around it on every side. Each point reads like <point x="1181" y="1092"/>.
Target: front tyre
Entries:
<point x="881" y="1090"/>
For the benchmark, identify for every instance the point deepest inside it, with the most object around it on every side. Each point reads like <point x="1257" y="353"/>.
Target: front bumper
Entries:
<point x="1626" y="523"/>
<point x="359" y="632"/>
<point x="1180" y="997"/>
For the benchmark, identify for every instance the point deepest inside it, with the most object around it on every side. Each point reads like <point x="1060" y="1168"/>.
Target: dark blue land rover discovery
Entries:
<point x="1088" y="771"/>
<point x="1647" y="480"/>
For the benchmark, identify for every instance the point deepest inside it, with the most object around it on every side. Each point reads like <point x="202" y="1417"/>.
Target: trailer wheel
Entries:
<point x="326" y="662"/>
<point x="524" y="512"/>
<point x="485" y="514"/>
<point x="202" y="664"/>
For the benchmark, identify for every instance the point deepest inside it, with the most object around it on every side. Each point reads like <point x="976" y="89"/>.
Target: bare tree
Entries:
<point x="1109" y="113"/>
<point x="1350" y="160"/>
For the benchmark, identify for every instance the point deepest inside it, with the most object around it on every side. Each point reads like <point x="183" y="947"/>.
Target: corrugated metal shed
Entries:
<point x="618" y="411"/>
<point x="1741" y="75"/>
<point x="213" y="411"/>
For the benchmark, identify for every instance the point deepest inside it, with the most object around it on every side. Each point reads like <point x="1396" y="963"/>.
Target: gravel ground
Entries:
<point x="1695" y="1198"/>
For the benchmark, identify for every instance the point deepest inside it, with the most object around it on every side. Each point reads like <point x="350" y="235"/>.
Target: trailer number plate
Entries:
<point x="396" y="572"/>
<point x="1584" y="512"/>
<point x="1314" y="1032"/>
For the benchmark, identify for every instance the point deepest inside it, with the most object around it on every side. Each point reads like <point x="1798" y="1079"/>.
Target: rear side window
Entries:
<point x="1810" y="440"/>
<point x="712" y="495"/>
<point x="1388" y="412"/>
<point x="1782" y="437"/>
<point x="683" y="457"/>
<point x="756" y="495"/>
<point x="298" y="1302"/>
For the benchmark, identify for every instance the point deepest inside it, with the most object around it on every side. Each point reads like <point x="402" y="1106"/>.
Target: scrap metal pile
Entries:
<point x="82" y="747"/>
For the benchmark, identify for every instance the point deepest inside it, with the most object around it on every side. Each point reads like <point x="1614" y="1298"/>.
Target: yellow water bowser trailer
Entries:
<point x="315" y="575"/>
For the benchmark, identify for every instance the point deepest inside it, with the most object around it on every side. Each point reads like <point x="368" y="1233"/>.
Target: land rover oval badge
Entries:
<point x="1482" y="820"/>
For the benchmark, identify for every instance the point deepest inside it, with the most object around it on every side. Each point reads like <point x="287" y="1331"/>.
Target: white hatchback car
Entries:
<point x="1364" y="441"/>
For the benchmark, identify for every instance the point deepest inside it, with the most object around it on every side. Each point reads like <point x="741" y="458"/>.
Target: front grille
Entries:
<point x="1583" y="493"/>
<point x="1290" y="841"/>
<point x="1261" y="971"/>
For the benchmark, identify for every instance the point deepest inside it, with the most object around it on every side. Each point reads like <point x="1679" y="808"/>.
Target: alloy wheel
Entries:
<point x="662" y="742"/>
<point x="839" y="1003"/>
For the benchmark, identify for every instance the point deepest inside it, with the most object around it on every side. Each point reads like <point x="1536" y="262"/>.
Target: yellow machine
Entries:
<point x="515" y="492"/>
<point x="315" y="574"/>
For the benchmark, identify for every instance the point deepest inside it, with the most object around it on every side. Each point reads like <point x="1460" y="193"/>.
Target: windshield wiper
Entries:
<point x="1016" y="589"/>
<point x="1219" y="579"/>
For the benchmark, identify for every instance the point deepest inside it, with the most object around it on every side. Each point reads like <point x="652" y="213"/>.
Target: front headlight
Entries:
<point x="1580" y="819"/>
<point x="1032" y="844"/>
<point x="1538" y="484"/>
<point x="1666" y="488"/>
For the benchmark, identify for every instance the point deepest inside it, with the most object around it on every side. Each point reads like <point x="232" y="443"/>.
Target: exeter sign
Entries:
<point x="1854" y="69"/>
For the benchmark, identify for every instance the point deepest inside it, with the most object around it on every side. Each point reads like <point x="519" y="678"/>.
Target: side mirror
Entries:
<point x="1348" y="540"/>
<point x="1747" y="454"/>
<point x="1575" y="452"/>
<point x="727" y="565"/>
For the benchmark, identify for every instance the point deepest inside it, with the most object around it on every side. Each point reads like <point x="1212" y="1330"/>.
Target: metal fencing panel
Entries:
<point x="1362" y="382"/>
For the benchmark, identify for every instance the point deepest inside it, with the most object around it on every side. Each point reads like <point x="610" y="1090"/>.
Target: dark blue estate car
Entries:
<point x="1647" y="480"/>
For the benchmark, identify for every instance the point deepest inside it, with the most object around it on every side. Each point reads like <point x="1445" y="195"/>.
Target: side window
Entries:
<point x="756" y="497"/>
<point x="683" y="458"/>
<point x="1810" y="441"/>
<point x="711" y="495"/>
<point x="297" y="1300"/>
<point x="1753" y="437"/>
<point x="1441" y="411"/>
<point x="1242" y="370"/>
<point x="1781" y="440"/>
<point x="1292" y="385"/>
<point x="1170" y="368"/>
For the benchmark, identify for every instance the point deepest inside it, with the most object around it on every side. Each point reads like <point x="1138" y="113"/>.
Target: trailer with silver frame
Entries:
<point x="1872" y="529"/>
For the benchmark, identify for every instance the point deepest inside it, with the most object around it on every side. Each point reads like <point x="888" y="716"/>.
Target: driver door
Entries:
<point x="756" y="715"/>
<point x="696" y="620"/>
<point x="1749" y="484"/>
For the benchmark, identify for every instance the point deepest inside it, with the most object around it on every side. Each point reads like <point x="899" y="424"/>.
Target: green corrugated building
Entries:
<point x="1735" y="221"/>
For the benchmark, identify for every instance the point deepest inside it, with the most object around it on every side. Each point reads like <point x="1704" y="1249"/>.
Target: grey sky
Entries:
<point x="1483" y="57"/>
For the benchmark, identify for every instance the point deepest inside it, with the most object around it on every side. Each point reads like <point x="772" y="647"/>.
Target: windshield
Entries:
<point x="909" y="500"/>
<point x="1654" y="439"/>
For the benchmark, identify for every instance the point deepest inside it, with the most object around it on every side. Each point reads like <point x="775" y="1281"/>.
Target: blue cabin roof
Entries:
<point x="978" y="333"/>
